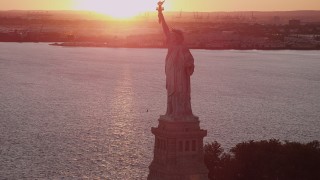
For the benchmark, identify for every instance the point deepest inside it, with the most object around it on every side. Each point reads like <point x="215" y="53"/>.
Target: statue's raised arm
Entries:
<point x="162" y="20"/>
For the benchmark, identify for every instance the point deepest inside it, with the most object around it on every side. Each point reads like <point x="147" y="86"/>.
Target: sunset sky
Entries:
<point x="134" y="6"/>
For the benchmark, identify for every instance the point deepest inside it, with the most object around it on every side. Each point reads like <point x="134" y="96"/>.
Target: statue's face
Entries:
<point x="177" y="39"/>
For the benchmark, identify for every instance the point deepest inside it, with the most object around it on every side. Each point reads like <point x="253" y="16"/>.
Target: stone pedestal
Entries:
<point x="178" y="150"/>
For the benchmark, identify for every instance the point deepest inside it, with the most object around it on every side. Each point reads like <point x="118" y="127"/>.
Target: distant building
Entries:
<point x="294" y="22"/>
<point x="276" y="20"/>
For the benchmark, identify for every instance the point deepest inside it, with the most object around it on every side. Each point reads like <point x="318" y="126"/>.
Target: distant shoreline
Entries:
<point x="105" y="45"/>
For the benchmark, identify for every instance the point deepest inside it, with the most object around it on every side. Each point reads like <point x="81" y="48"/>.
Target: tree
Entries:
<point x="264" y="160"/>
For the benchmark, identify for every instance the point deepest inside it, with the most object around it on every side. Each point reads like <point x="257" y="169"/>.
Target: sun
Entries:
<point x="119" y="9"/>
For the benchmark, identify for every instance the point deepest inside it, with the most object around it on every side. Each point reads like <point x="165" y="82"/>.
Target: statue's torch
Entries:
<point x="160" y="9"/>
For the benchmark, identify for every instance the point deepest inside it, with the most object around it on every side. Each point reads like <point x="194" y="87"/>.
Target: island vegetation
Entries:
<point x="264" y="160"/>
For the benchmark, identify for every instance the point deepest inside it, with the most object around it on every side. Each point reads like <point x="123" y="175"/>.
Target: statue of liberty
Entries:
<point x="179" y="66"/>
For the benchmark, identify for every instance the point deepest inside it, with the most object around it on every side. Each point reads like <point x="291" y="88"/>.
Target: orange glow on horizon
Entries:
<point x="118" y="9"/>
<point x="127" y="8"/>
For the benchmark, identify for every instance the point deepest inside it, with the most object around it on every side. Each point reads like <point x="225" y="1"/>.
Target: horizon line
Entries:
<point x="57" y="10"/>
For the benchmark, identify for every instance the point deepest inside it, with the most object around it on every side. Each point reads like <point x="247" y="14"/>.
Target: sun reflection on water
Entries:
<point x="122" y="121"/>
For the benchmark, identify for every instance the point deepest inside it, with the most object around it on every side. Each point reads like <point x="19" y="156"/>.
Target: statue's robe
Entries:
<point x="179" y="67"/>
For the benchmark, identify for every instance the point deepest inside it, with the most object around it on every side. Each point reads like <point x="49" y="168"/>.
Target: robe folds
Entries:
<point x="179" y="66"/>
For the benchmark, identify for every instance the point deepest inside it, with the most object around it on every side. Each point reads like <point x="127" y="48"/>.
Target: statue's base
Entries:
<point x="178" y="150"/>
<point x="190" y="118"/>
